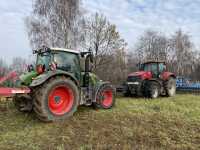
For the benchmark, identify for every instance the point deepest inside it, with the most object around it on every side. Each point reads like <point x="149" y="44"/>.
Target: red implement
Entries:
<point x="11" y="75"/>
<point x="4" y="91"/>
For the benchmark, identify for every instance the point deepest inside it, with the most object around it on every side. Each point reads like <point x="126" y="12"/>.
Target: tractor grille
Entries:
<point x="133" y="78"/>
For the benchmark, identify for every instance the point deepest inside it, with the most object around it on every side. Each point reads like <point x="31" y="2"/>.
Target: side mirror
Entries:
<point x="88" y="54"/>
<point x="91" y="55"/>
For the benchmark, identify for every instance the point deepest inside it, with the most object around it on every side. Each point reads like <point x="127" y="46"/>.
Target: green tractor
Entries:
<point x="58" y="85"/>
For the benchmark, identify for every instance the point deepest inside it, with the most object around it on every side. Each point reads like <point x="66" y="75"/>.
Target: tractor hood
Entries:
<point x="138" y="73"/>
<point x="142" y="74"/>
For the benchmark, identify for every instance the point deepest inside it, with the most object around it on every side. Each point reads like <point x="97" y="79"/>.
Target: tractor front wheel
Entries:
<point x="152" y="90"/>
<point x="56" y="100"/>
<point x="105" y="97"/>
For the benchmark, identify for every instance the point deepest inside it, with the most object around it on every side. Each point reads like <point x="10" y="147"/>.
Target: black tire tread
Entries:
<point x="38" y="97"/>
<point x="99" y="105"/>
<point x="166" y="84"/>
<point x="149" y="86"/>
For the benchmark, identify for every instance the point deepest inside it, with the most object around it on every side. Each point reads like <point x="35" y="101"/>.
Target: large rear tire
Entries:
<point x="56" y="100"/>
<point x="170" y="87"/>
<point x="105" y="97"/>
<point x="152" y="89"/>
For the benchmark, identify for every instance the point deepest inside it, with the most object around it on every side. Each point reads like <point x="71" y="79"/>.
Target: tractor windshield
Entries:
<point x="155" y="68"/>
<point x="68" y="62"/>
<point x="43" y="59"/>
<point x="150" y="67"/>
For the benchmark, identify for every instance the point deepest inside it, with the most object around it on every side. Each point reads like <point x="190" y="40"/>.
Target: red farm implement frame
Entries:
<point x="9" y="92"/>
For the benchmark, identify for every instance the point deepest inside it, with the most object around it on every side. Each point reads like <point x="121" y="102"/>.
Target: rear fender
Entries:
<point x="44" y="77"/>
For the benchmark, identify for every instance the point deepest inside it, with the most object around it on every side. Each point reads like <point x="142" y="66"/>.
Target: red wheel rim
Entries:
<point x="61" y="100"/>
<point x="107" y="98"/>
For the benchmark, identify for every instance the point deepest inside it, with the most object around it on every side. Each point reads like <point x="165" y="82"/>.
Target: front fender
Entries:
<point x="167" y="75"/>
<point x="44" y="77"/>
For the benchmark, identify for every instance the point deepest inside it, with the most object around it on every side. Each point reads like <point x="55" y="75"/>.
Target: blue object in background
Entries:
<point x="186" y="84"/>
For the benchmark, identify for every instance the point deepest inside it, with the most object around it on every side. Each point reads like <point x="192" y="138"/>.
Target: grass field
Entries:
<point x="165" y="123"/>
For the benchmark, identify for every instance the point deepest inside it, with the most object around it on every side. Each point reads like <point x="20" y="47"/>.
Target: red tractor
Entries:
<point x="151" y="81"/>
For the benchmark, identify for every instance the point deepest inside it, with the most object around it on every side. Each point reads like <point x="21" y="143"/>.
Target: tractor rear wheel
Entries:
<point x="152" y="90"/>
<point x="105" y="97"/>
<point x="56" y="100"/>
<point x="170" y="87"/>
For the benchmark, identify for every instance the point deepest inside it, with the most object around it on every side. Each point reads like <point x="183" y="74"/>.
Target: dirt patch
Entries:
<point x="3" y="109"/>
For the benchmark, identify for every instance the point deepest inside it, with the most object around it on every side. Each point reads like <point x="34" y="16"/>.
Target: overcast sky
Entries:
<point x="132" y="18"/>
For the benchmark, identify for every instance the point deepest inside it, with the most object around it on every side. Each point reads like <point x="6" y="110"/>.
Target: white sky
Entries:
<point x="132" y="18"/>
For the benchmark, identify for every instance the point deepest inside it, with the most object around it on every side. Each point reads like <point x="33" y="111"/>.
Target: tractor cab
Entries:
<point x="155" y="67"/>
<point x="58" y="59"/>
<point x="52" y="60"/>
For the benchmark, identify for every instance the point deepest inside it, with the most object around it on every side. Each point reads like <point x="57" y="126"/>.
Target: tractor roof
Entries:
<point x="65" y="50"/>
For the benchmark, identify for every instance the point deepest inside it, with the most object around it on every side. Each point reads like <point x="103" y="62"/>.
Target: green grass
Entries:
<point x="165" y="123"/>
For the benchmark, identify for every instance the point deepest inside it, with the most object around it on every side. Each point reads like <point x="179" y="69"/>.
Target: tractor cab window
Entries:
<point x="68" y="62"/>
<point x="140" y="66"/>
<point x="63" y="61"/>
<point x="162" y="67"/>
<point x="155" y="68"/>
<point x="43" y="59"/>
<point x="152" y="67"/>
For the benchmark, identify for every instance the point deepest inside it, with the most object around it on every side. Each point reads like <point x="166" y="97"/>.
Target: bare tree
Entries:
<point x="54" y="23"/>
<point x="152" y="46"/>
<point x="18" y="65"/>
<point x="133" y="59"/>
<point x="115" y="71"/>
<point x="3" y="68"/>
<point x="194" y="68"/>
<point x="182" y="54"/>
<point x="102" y="37"/>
